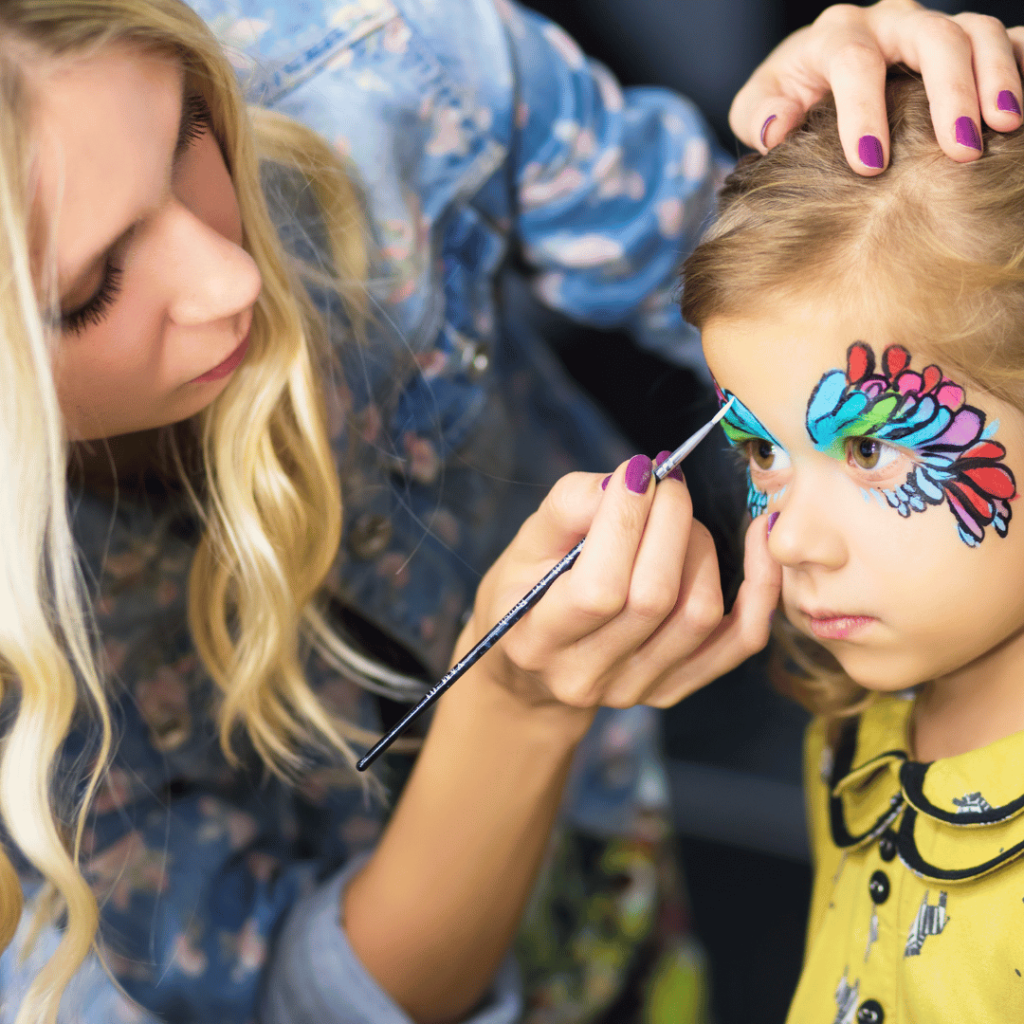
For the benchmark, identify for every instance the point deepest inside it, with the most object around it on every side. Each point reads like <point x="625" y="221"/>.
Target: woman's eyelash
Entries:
<point x="94" y="310"/>
<point x="195" y="118"/>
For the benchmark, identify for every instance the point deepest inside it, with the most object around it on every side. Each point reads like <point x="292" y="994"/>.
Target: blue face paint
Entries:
<point x="741" y="427"/>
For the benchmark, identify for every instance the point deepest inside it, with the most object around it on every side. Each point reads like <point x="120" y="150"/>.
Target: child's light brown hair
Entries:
<point x="931" y="248"/>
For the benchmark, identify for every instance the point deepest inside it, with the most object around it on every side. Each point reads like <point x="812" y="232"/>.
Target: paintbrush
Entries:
<point x="520" y="609"/>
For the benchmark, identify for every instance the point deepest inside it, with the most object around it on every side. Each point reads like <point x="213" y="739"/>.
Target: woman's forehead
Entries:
<point x="105" y="127"/>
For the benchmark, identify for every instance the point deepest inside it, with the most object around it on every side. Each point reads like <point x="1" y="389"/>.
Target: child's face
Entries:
<point x="155" y="287"/>
<point x="894" y="489"/>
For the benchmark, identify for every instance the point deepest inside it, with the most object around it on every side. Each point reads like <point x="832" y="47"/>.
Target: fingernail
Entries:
<point x="967" y="133"/>
<point x="869" y="149"/>
<point x="676" y="473"/>
<point x="764" y="128"/>
<point x="604" y="482"/>
<point x="771" y="522"/>
<point x="1007" y="101"/>
<point x="638" y="473"/>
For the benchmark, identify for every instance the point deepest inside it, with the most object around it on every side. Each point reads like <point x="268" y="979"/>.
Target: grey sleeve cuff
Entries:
<point x="314" y="976"/>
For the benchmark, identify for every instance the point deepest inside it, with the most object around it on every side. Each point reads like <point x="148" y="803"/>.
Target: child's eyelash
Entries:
<point x="739" y="452"/>
<point x="95" y="309"/>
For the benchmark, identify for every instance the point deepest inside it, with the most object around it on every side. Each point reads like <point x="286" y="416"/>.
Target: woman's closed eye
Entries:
<point x="93" y="311"/>
<point x="195" y="120"/>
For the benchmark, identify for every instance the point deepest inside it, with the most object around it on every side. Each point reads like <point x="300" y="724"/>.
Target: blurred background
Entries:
<point x="734" y="748"/>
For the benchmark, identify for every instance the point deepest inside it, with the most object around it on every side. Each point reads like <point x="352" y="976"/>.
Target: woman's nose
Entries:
<point x="213" y="277"/>
<point x="807" y="529"/>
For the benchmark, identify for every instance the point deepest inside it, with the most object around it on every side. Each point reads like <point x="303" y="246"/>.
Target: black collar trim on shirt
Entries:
<point x="910" y="855"/>
<point x="846" y="748"/>
<point x="912" y="775"/>
<point x="911" y="801"/>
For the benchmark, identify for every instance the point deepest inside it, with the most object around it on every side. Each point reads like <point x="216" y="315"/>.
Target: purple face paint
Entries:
<point x="925" y="413"/>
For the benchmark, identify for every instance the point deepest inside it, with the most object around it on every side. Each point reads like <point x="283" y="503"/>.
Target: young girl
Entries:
<point x="872" y="335"/>
<point x="179" y="428"/>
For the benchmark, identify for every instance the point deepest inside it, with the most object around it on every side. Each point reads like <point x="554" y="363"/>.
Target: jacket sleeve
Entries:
<point x="614" y="187"/>
<point x="206" y="921"/>
<point x="316" y="978"/>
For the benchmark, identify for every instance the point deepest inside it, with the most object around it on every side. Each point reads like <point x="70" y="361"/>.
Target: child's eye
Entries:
<point x="867" y="453"/>
<point x="767" y="456"/>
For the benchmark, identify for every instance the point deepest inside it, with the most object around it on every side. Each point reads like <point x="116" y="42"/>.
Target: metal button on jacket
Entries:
<point x="887" y="845"/>
<point x="879" y="887"/>
<point x="870" y="1012"/>
<point x="369" y="535"/>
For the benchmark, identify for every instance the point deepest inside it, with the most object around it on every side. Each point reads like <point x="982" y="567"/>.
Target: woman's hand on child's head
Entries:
<point x="639" y="618"/>
<point x="970" y="65"/>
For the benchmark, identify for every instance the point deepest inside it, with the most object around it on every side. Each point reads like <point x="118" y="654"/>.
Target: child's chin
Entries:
<point x="881" y="677"/>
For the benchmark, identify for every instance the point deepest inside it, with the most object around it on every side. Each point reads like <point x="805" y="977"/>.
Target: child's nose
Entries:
<point x="806" y="530"/>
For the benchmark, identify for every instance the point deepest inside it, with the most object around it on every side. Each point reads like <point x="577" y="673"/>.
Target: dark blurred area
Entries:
<point x="734" y="748"/>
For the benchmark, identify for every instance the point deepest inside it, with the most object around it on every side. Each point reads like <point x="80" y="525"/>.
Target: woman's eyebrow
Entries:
<point x="180" y="145"/>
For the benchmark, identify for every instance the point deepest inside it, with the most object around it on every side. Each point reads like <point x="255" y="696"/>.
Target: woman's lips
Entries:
<point x="226" y="367"/>
<point x="836" y="626"/>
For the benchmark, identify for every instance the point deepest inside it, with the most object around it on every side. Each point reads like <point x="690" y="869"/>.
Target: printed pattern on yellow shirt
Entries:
<point x="917" y="912"/>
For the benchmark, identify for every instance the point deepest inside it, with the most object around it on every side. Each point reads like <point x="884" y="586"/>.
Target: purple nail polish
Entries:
<point x="1007" y="101"/>
<point x="638" y="473"/>
<point x="771" y="522"/>
<point x="764" y="127"/>
<point x="967" y="133"/>
<point x="604" y="482"/>
<point x="675" y="474"/>
<point x="870" y="151"/>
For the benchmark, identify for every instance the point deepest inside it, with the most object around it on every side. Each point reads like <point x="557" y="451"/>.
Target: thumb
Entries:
<point x="768" y="121"/>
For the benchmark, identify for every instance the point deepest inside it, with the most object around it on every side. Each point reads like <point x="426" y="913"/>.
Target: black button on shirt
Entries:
<point x="870" y="1012"/>
<point x="879" y="887"/>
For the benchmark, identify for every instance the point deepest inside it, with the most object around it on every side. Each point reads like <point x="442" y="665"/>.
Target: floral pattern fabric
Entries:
<point x="474" y="130"/>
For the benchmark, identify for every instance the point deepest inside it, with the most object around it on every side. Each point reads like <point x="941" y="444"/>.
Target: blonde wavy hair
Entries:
<point x="268" y="491"/>
<point x="932" y="248"/>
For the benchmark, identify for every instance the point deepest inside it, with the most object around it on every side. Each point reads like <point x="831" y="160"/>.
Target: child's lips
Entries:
<point x="830" y="625"/>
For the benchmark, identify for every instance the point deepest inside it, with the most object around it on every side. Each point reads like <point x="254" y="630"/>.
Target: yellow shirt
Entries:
<point x="917" y="913"/>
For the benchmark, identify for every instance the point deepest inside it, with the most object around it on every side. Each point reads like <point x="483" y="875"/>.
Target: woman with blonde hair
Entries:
<point x="189" y="396"/>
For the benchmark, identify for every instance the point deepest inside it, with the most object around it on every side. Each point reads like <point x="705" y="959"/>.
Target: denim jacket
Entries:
<point x="476" y="132"/>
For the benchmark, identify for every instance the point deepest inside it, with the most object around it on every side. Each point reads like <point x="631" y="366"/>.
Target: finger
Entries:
<point x="941" y="51"/>
<point x="561" y="521"/>
<point x="776" y="96"/>
<point x="995" y="71"/>
<point x="765" y="110"/>
<point x="659" y="566"/>
<point x="781" y="115"/>
<point x="695" y="617"/>
<point x="1017" y="44"/>
<point x="658" y="579"/>
<point x="743" y="632"/>
<point x="857" y="73"/>
<point x="597" y="588"/>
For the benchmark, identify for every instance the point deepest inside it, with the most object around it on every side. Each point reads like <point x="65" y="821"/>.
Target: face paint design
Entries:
<point x="741" y="426"/>
<point x="924" y="412"/>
